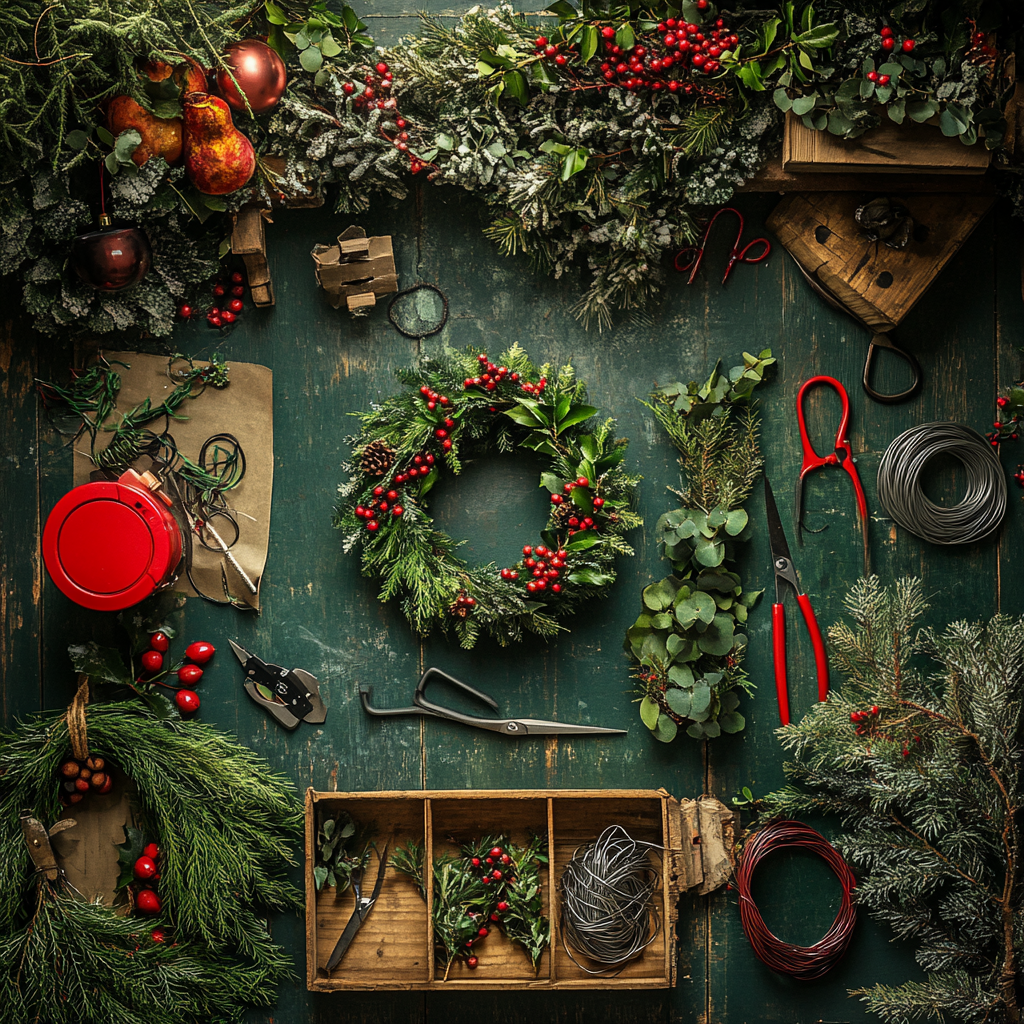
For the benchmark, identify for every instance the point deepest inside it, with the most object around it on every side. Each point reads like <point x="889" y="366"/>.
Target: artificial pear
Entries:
<point x="218" y="158"/>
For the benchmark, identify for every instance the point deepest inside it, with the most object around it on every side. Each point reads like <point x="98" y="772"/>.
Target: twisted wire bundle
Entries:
<point x="899" y="489"/>
<point x="606" y="890"/>
<point x="802" y="962"/>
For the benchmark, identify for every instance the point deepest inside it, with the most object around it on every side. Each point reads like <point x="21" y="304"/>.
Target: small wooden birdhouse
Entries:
<point x="356" y="270"/>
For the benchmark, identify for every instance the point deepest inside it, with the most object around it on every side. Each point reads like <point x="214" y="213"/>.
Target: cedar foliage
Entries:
<point x="225" y="825"/>
<point x="928" y="794"/>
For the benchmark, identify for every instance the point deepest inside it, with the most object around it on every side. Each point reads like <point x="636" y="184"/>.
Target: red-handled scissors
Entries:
<point x="690" y="258"/>
<point x="782" y="564"/>
<point x="841" y="455"/>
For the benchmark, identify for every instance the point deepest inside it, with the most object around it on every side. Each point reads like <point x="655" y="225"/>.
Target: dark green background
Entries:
<point x="319" y="613"/>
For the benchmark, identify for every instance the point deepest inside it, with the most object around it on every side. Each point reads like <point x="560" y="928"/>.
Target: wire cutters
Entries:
<point x="694" y="254"/>
<point x="841" y="455"/>
<point x="514" y="727"/>
<point x="782" y="564"/>
<point x="291" y="695"/>
<point x="364" y="904"/>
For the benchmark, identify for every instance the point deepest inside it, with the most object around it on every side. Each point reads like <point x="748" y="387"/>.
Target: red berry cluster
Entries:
<point x="388" y="501"/>
<point x="198" y="653"/>
<point x="376" y="88"/>
<point x="147" y="874"/>
<point x="560" y="52"/>
<point x="1005" y="430"/>
<point x="664" y="58"/>
<point x="228" y="304"/>
<point x="888" y="41"/>
<point x="979" y="52"/>
<point x="492" y="376"/>
<point x="79" y="778"/>
<point x="494" y="868"/>
<point x="544" y="565"/>
<point x="867" y="721"/>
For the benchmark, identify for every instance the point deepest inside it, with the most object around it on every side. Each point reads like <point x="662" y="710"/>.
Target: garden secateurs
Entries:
<point x="291" y="695"/>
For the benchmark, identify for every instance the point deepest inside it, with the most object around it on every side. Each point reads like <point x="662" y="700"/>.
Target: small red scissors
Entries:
<point x="694" y="255"/>
<point x="841" y="455"/>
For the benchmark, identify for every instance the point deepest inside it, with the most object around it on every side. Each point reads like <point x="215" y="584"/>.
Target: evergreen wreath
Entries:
<point x="225" y="825"/>
<point x="922" y="765"/>
<point x="460" y="406"/>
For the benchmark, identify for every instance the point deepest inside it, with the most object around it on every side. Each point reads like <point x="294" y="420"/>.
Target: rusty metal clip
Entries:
<point x="37" y="839"/>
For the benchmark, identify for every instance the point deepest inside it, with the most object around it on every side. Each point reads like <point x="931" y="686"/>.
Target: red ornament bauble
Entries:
<point x="111" y="259"/>
<point x="259" y="72"/>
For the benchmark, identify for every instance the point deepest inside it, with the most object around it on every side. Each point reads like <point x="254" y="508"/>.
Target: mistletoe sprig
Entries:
<point x="492" y="883"/>
<point x="459" y="406"/>
<point x="685" y="643"/>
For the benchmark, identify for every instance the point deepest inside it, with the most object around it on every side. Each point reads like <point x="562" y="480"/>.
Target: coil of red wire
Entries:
<point x="802" y="962"/>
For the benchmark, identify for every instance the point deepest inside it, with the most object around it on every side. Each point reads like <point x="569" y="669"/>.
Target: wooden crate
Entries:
<point x="889" y="148"/>
<point x="394" y="949"/>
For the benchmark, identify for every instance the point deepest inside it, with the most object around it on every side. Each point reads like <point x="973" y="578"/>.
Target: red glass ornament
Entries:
<point x="111" y="259"/>
<point x="259" y="72"/>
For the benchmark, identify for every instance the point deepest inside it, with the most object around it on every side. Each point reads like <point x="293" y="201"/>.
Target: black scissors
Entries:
<point x="364" y="904"/>
<point x="694" y="254"/>
<point x="515" y="727"/>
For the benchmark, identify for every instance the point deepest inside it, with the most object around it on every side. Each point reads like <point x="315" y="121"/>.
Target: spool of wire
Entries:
<point x="802" y="962"/>
<point x="980" y="510"/>
<point x="608" y="914"/>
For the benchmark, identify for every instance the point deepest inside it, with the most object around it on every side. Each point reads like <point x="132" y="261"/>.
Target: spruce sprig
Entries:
<point x="921" y="764"/>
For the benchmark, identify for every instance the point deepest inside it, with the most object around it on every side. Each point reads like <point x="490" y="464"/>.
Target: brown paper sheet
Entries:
<point x="244" y="408"/>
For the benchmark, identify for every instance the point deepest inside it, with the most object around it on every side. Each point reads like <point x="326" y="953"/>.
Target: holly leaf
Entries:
<point x="101" y="664"/>
<point x="515" y="86"/>
<point x="578" y="413"/>
<point x="128" y="853"/>
<point x="552" y="482"/>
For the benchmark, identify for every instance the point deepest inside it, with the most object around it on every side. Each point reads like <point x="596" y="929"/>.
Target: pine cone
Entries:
<point x="377" y="458"/>
<point x="560" y="515"/>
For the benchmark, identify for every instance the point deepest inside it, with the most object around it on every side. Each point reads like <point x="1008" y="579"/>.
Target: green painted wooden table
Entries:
<point x="321" y="615"/>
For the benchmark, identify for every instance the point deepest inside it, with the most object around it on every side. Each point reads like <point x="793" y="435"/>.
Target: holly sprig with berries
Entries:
<point x="1010" y="423"/>
<point x="460" y="406"/>
<point x="491" y="884"/>
<point x="918" y="755"/>
<point x="686" y="644"/>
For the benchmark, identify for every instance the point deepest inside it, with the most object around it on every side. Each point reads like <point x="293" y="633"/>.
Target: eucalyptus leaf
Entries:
<point x="649" y="712"/>
<point x="666" y="729"/>
<point x="678" y="701"/>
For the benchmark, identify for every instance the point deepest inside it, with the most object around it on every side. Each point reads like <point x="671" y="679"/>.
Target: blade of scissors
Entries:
<point x="776" y="534"/>
<point x="539" y="727"/>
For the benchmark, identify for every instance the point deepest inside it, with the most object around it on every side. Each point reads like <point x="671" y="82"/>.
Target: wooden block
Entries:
<point x="362" y="301"/>
<point x="772" y="178"/>
<point x="907" y="148"/>
<point x="354" y="248"/>
<point x="878" y="284"/>
<point x="394" y="948"/>
<point x="249" y="240"/>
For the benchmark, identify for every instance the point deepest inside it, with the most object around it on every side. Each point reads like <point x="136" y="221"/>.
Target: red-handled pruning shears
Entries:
<point x="782" y="564"/>
<point x="841" y="455"/>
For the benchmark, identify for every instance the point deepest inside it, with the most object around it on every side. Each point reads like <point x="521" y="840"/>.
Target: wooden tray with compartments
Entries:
<point x="394" y="949"/>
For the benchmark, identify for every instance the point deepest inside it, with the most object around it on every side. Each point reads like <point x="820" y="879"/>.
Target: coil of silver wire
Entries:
<point x="905" y="462"/>
<point x="608" y="911"/>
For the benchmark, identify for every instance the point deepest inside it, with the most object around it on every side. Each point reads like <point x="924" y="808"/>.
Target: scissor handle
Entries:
<point x="884" y="341"/>
<point x="420" y="699"/>
<point x="742" y="256"/>
<point x="812" y="460"/>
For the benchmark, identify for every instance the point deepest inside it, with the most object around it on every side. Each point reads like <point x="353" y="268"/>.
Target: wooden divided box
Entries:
<point x="394" y="949"/>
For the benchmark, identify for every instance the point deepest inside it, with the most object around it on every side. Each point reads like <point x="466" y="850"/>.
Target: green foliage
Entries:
<point x="686" y="643"/>
<point x="946" y="77"/>
<point x="419" y="565"/>
<point x="928" y="791"/>
<point x="337" y="839"/>
<point x="463" y="903"/>
<point x="225" y="825"/>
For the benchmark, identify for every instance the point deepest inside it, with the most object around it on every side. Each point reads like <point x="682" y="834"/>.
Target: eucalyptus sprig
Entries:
<point x="686" y="644"/>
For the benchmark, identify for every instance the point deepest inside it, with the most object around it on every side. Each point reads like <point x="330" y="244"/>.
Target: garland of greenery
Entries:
<point x="459" y="406"/>
<point x="922" y="767"/>
<point x="685" y="645"/>
<point x="576" y="165"/>
<point x="225" y="826"/>
<point x="491" y="884"/>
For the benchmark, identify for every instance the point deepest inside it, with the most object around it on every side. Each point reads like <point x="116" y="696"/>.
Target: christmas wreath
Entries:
<point x="224" y="826"/>
<point x="460" y="406"/>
